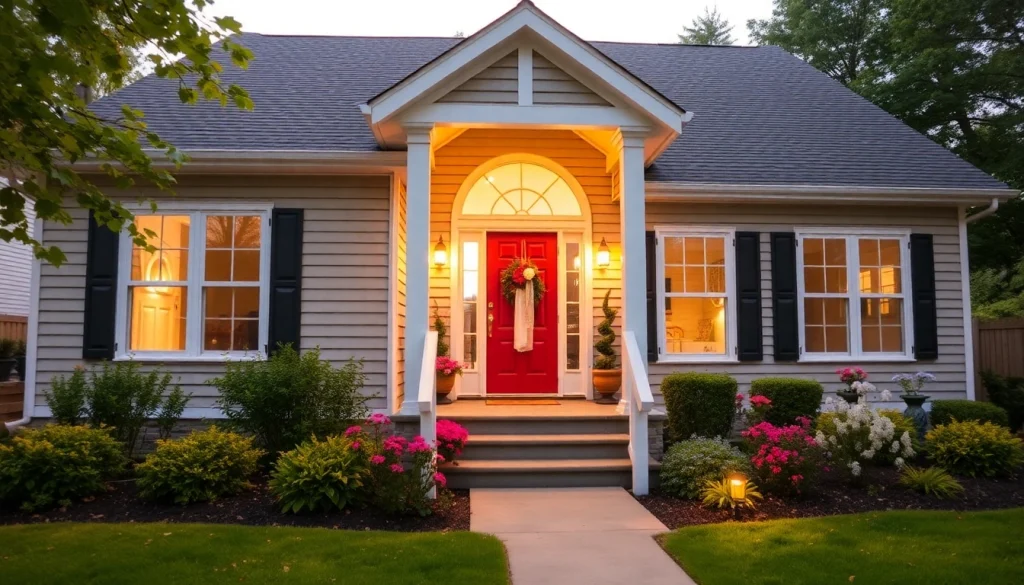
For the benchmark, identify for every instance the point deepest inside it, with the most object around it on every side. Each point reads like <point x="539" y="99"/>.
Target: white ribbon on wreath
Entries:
<point x="523" y="326"/>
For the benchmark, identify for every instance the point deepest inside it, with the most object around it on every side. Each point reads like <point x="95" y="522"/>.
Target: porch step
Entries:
<point x="542" y="473"/>
<point x="544" y="425"/>
<point x="546" y="447"/>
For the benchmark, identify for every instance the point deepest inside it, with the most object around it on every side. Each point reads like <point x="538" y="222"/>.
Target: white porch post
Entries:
<point x="417" y="286"/>
<point x="632" y="223"/>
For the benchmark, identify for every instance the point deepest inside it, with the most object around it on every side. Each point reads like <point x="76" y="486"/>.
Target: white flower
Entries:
<point x="885" y="395"/>
<point x="819" y="438"/>
<point x="855" y="468"/>
<point x="529" y="273"/>
<point x="868" y="454"/>
<point x="899" y="462"/>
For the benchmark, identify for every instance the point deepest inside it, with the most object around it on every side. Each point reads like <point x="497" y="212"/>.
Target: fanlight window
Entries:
<point x="521" y="189"/>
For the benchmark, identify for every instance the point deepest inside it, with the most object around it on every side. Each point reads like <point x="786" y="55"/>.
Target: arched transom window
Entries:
<point x="521" y="189"/>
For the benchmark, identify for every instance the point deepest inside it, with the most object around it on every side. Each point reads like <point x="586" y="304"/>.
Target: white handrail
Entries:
<point x="636" y="391"/>
<point x="426" y="396"/>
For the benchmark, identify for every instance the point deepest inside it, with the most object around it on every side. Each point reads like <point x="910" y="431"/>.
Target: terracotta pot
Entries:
<point x="444" y="388"/>
<point x="607" y="383"/>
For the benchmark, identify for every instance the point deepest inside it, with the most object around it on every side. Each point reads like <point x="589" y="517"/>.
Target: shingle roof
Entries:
<point x="761" y="116"/>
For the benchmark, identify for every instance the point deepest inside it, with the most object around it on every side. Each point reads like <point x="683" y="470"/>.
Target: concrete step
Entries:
<point x="543" y="425"/>
<point x="542" y="473"/>
<point x="541" y="447"/>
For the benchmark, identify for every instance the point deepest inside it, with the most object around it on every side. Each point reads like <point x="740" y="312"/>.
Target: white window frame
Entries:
<point x="854" y="342"/>
<point x="729" y="234"/>
<point x="195" y="282"/>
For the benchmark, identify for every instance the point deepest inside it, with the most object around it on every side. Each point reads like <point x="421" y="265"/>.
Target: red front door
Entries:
<point x="510" y="371"/>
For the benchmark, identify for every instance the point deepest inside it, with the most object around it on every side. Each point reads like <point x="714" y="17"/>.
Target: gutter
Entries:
<point x="992" y="207"/>
<point x="820" y="194"/>
<point x="32" y="349"/>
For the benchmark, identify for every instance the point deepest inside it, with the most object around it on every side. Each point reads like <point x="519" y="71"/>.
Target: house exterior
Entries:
<point x="748" y="215"/>
<point x="16" y="267"/>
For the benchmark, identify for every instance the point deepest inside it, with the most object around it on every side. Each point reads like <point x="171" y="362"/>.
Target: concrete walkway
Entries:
<point x="597" y="536"/>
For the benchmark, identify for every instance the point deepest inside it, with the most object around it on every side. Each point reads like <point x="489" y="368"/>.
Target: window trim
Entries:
<point x="195" y="280"/>
<point x="852" y="236"/>
<point x="729" y="233"/>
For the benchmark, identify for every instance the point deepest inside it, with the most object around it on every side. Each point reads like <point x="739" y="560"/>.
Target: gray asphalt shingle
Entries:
<point x="761" y="116"/>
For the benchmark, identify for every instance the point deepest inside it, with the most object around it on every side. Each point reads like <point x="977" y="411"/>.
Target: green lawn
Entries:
<point x="186" y="554"/>
<point x="906" y="548"/>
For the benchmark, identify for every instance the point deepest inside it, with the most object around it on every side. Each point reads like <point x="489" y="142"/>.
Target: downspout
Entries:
<point x="29" y="382"/>
<point x="992" y="207"/>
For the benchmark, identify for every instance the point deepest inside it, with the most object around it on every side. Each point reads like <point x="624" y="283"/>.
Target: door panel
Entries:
<point x="510" y="371"/>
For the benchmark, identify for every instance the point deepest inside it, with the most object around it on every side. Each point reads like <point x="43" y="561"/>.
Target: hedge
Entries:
<point x="791" y="398"/>
<point x="946" y="411"/>
<point x="1008" y="393"/>
<point x="699" y="404"/>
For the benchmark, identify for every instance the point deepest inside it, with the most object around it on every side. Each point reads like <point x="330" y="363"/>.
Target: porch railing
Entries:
<point x="426" y="396"/>
<point x="636" y="392"/>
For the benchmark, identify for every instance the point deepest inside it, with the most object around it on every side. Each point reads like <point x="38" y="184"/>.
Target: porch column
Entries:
<point x="632" y="222"/>
<point x="417" y="271"/>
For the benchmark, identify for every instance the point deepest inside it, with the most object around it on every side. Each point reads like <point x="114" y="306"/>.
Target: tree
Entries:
<point x="51" y="48"/>
<point x="709" y="29"/>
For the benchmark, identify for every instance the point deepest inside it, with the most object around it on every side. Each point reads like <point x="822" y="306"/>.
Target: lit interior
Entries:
<point x="158" y="312"/>
<point x="521" y="189"/>
<point x="695" y="302"/>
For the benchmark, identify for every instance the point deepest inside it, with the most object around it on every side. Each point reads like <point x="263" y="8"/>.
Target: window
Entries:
<point x="521" y="189"/>
<point x="695" y="296"/>
<point x="201" y="290"/>
<point x="852" y="289"/>
<point x="573" y="268"/>
<point x="470" y="298"/>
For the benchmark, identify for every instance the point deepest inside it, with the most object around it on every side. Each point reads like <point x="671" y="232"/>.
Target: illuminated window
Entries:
<point x="194" y="292"/>
<point x="521" y="189"/>
<point x="470" y="298"/>
<point x="573" y="283"/>
<point x="867" y="319"/>
<point x="695" y="271"/>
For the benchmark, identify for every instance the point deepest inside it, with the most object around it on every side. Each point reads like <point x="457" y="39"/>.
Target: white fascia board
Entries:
<point x="493" y="115"/>
<point x="718" y="193"/>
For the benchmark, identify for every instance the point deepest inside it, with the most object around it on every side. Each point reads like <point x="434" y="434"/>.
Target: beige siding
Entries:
<point x="940" y="222"/>
<point x="498" y="84"/>
<point x="16" y="267"/>
<point x="344" y="281"/>
<point x="400" y="306"/>
<point x="552" y="86"/>
<point x="456" y="160"/>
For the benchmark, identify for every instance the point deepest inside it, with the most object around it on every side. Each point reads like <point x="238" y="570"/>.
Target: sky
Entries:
<point x="649" y="21"/>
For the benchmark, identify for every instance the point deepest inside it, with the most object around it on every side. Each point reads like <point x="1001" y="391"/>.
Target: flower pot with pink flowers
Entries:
<point x="451" y="440"/>
<point x="446" y="369"/>
<point x="857" y="385"/>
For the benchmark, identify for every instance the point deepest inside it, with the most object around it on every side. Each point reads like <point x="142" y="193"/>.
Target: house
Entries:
<point x="16" y="268"/>
<point x="748" y="214"/>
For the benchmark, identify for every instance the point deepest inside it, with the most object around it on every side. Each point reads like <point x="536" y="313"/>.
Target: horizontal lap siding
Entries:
<point x="344" y="284"/>
<point x="456" y="160"/>
<point x="498" y="84"/>
<point x="552" y="86"/>
<point x="949" y="368"/>
<point x="16" y="262"/>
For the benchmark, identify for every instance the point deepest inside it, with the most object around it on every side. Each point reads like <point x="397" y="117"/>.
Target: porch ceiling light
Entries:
<point x="440" y="253"/>
<point x="604" y="255"/>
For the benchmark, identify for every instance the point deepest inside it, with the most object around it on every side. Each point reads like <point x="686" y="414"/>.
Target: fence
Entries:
<point x="14" y="327"/>
<point x="998" y="347"/>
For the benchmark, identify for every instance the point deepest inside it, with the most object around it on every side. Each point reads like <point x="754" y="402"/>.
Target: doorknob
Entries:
<point x="490" y="323"/>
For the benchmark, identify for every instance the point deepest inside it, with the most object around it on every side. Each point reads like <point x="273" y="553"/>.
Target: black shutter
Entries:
<point x="652" y="299"/>
<point x="922" y="275"/>
<point x="285" y="277"/>
<point x="748" y="289"/>
<point x="100" y="292"/>
<point x="785" y="316"/>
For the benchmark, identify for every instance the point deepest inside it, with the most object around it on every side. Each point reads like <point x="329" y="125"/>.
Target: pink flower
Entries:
<point x="396" y="444"/>
<point x="419" y="445"/>
<point x="377" y="459"/>
<point x="355" y="445"/>
<point x="447" y="366"/>
<point x="440" y="458"/>
<point x="378" y="419"/>
<point x="760" y="401"/>
<point x="397" y="468"/>
<point x="440" y="479"/>
<point x="352" y="430"/>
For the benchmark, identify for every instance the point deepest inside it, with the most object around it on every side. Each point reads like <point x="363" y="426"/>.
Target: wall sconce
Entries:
<point x="440" y="253"/>
<point x="604" y="255"/>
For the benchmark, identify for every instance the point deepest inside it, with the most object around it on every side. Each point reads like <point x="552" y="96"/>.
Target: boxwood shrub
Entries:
<point x="1007" y="393"/>
<point x="975" y="449"/>
<point x="791" y="398"/>
<point x="946" y="411"/>
<point x="690" y="464"/>
<point x="699" y="404"/>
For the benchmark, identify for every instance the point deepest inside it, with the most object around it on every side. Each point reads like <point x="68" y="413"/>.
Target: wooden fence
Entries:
<point x="998" y="347"/>
<point x="14" y="327"/>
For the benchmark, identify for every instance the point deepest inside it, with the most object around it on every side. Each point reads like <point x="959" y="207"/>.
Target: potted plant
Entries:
<point x="20" y="350"/>
<point x="857" y="385"/>
<point x="912" y="385"/>
<point x="7" y="347"/>
<point x="446" y="369"/>
<point x="607" y="378"/>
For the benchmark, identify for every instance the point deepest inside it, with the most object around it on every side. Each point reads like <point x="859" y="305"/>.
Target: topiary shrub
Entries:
<point x="1007" y="393"/>
<point x="791" y="398"/>
<point x="973" y="448"/>
<point x="699" y="404"/>
<point x="690" y="465"/>
<point x="201" y="467"/>
<point x="319" y="475"/>
<point x="946" y="411"/>
<point x="41" y="468"/>
<point x="606" y="361"/>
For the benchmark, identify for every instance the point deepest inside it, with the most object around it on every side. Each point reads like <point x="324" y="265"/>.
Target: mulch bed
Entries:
<point x="253" y="508"/>
<point x="878" y="492"/>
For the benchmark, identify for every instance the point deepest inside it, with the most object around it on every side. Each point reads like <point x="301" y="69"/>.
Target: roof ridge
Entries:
<point x="441" y="38"/>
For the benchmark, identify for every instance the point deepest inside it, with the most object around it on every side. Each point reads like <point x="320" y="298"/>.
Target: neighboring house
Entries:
<point x="16" y="272"/>
<point x="760" y="220"/>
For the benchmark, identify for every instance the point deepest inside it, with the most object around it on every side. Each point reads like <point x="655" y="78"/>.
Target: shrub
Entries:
<point x="699" y="404"/>
<point x="973" y="448"/>
<point x="902" y="425"/>
<point x="717" y="494"/>
<point x="56" y="464"/>
<point x="933" y="481"/>
<point x="604" y="346"/>
<point x="946" y="411"/>
<point x="791" y="398"/>
<point x="319" y="475"/>
<point x="201" y="467"/>
<point x="451" y="440"/>
<point x="854" y="435"/>
<point x="785" y="459"/>
<point x="66" y="397"/>
<point x="284" y="400"/>
<point x="690" y="464"/>
<point x="1007" y="393"/>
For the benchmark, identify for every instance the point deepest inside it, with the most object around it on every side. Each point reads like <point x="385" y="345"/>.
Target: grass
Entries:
<point x="186" y="554"/>
<point x="908" y="548"/>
